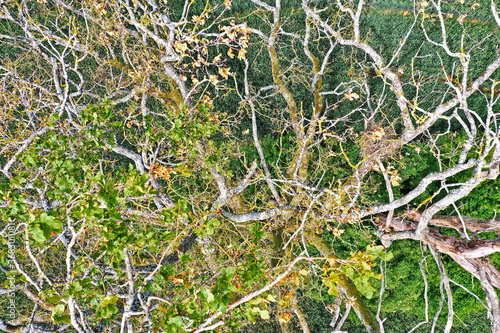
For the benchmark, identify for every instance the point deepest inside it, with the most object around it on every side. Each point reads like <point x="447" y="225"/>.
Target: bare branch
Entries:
<point x="258" y="216"/>
<point x="419" y="189"/>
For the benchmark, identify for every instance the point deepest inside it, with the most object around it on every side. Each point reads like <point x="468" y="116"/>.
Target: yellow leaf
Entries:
<point x="213" y="79"/>
<point x="395" y="179"/>
<point x="423" y="4"/>
<point x="351" y="96"/>
<point x="177" y="281"/>
<point x="264" y="314"/>
<point x="199" y="19"/>
<point x="304" y="272"/>
<point x="224" y="71"/>
<point x="100" y="7"/>
<point x="285" y="317"/>
<point x="378" y="133"/>
<point x="271" y="298"/>
<point x="337" y="232"/>
<point x="180" y="47"/>
<point x="158" y="170"/>
<point x="241" y="54"/>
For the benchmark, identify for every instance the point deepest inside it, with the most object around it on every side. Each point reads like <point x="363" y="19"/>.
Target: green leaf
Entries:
<point x="58" y="316"/>
<point x="50" y="296"/>
<point x="44" y="229"/>
<point x="39" y="233"/>
<point x="264" y="314"/>
<point x="378" y="252"/>
<point x="175" y="325"/>
<point x="214" y="223"/>
<point x="109" y="300"/>
<point x="331" y="282"/>
<point x="107" y="308"/>
<point x="58" y="309"/>
<point x="50" y="221"/>
<point x="207" y="294"/>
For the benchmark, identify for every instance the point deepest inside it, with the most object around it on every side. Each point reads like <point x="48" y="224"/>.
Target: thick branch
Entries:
<point x="455" y="222"/>
<point x="466" y="253"/>
<point x="347" y="286"/>
<point x="258" y="216"/>
<point x="225" y="193"/>
<point x="30" y="327"/>
<point x="473" y="248"/>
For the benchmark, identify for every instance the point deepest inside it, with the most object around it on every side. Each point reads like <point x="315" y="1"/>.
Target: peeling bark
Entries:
<point x="455" y="222"/>
<point x="470" y="254"/>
